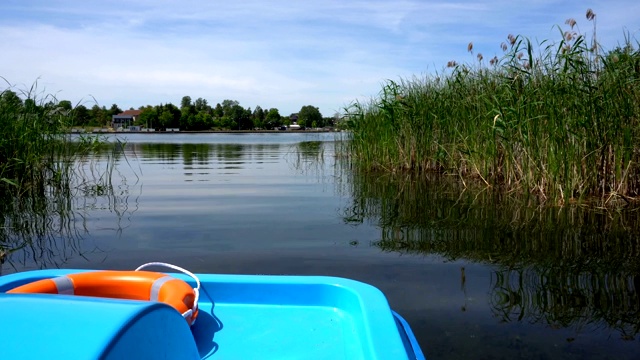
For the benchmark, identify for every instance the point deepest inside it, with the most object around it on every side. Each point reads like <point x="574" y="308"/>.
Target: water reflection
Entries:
<point x="569" y="298"/>
<point x="202" y="160"/>
<point x="46" y="228"/>
<point x="310" y="157"/>
<point x="34" y="227"/>
<point x="563" y="267"/>
<point x="256" y="207"/>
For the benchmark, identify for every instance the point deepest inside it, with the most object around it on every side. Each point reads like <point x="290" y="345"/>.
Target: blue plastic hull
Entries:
<point x="241" y="317"/>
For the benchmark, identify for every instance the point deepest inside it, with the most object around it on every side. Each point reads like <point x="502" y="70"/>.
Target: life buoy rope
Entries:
<point x="135" y="285"/>
<point x="191" y="313"/>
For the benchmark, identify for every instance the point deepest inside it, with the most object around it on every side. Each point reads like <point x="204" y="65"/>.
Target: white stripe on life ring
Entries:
<point x="157" y="285"/>
<point x="64" y="285"/>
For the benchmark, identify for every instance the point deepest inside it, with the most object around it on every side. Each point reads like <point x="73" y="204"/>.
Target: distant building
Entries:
<point x="125" y="119"/>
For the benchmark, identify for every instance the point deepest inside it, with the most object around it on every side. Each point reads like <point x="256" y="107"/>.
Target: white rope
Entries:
<point x="196" y="290"/>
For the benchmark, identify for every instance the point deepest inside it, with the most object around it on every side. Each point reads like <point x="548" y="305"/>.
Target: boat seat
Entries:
<point x="46" y="326"/>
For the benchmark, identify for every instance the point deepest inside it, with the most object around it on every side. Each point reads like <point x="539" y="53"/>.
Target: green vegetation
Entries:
<point x="39" y="171"/>
<point x="96" y="116"/>
<point x="228" y="115"/>
<point x="561" y="122"/>
<point x="31" y="143"/>
<point x="310" y="116"/>
<point x="196" y="115"/>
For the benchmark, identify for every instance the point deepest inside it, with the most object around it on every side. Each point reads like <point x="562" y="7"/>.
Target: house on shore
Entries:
<point x="125" y="119"/>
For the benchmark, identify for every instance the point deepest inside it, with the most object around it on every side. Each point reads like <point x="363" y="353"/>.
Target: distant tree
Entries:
<point x="329" y="121"/>
<point x="246" y="121"/>
<point x="10" y="99"/>
<point x="186" y="102"/>
<point x="148" y="117"/>
<point x="202" y="121"/>
<point x="99" y="116"/>
<point x="239" y="118"/>
<point x="226" y="122"/>
<point x="165" y="119"/>
<point x="218" y="111"/>
<point x="308" y="115"/>
<point x="258" y="117"/>
<point x="187" y="113"/>
<point x="169" y="116"/>
<point x="49" y="105"/>
<point x="65" y="105"/>
<point x="30" y="104"/>
<point x="202" y="105"/>
<point x="114" y="110"/>
<point x="81" y="116"/>
<point x="272" y="119"/>
<point x="227" y="105"/>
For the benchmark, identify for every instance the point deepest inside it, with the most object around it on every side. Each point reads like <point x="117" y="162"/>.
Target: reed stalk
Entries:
<point x="560" y="120"/>
<point x="41" y="170"/>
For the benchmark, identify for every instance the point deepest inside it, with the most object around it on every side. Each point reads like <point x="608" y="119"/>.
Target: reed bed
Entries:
<point x="560" y="120"/>
<point x="41" y="170"/>
<point x="30" y="141"/>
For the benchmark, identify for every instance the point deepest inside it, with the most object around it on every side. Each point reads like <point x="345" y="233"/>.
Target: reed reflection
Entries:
<point x="309" y="159"/>
<point x="568" y="298"/>
<point x="45" y="226"/>
<point x="565" y="267"/>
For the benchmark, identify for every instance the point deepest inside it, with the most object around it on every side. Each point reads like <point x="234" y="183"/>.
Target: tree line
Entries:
<point x="190" y="115"/>
<point x="197" y="115"/>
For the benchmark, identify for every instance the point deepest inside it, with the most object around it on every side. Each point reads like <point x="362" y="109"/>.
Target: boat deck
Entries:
<point x="240" y="317"/>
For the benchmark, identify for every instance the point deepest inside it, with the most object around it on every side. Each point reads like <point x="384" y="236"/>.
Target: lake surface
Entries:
<point x="477" y="275"/>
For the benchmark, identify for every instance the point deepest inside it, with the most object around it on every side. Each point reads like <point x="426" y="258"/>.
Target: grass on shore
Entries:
<point x="561" y="122"/>
<point x="40" y="171"/>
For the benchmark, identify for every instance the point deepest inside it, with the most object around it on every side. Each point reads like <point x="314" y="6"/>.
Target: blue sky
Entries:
<point x="282" y="54"/>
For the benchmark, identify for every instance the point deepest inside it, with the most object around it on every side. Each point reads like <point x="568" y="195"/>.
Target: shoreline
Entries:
<point x="205" y="132"/>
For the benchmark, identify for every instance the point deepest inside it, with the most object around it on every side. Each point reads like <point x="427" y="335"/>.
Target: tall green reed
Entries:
<point x="41" y="170"/>
<point x="560" y="120"/>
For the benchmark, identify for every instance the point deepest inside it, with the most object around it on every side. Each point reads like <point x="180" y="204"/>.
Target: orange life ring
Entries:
<point x="134" y="285"/>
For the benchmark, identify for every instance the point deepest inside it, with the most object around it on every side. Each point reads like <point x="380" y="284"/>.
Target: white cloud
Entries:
<point x="274" y="54"/>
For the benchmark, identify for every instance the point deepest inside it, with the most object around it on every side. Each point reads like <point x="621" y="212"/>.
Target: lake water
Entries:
<point x="476" y="275"/>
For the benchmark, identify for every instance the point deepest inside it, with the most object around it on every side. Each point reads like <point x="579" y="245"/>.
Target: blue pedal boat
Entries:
<point x="238" y="317"/>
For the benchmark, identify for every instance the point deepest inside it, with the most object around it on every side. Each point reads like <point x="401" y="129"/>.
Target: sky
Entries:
<point x="273" y="54"/>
